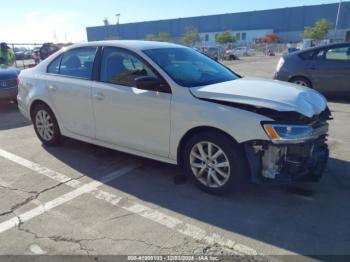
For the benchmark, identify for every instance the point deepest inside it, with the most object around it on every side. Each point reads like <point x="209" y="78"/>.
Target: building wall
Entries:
<point x="287" y="22"/>
<point x="242" y="37"/>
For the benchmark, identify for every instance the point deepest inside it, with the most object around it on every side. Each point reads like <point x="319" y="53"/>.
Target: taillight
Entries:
<point x="17" y="81"/>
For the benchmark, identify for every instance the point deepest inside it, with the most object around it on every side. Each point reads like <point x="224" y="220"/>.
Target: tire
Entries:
<point x="302" y="81"/>
<point x="231" y="162"/>
<point x="46" y="126"/>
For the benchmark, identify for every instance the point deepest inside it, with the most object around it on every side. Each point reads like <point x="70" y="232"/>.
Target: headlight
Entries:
<point x="288" y="133"/>
<point x="280" y="64"/>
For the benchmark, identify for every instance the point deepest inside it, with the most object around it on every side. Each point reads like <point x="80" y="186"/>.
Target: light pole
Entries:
<point x="337" y="20"/>
<point x="117" y="15"/>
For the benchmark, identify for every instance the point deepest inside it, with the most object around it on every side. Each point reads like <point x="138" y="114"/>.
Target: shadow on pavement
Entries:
<point x="10" y="117"/>
<point x="305" y="219"/>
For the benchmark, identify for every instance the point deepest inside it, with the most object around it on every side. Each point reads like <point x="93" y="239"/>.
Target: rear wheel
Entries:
<point x="45" y="125"/>
<point x="302" y="81"/>
<point x="214" y="162"/>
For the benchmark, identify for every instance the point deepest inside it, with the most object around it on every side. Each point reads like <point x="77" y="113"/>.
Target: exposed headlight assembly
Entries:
<point x="279" y="133"/>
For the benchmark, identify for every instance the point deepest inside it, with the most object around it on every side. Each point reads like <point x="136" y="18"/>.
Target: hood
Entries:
<point x="271" y="94"/>
<point x="8" y="72"/>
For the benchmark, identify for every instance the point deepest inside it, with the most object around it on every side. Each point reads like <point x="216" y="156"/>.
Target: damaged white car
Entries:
<point x="170" y="103"/>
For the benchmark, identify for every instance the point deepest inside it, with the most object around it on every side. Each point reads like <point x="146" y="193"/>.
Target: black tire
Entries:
<point x="56" y="137"/>
<point x="300" y="79"/>
<point x="239" y="169"/>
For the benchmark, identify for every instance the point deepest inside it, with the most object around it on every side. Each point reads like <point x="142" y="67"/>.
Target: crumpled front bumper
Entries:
<point x="287" y="163"/>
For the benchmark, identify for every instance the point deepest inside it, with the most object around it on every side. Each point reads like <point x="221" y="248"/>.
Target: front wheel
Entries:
<point x="215" y="162"/>
<point x="45" y="125"/>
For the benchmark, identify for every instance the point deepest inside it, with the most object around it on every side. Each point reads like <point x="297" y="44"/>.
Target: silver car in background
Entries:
<point x="324" y="68"/>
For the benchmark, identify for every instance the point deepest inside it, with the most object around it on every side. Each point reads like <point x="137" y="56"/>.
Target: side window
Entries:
<point x="320" y="55"/>
<point x="122" y="67"/>
<point x="338" y="54"/>
<point x="54" y="66"/>
<point x="306" y="55"/>
<point x="78" y="62"/>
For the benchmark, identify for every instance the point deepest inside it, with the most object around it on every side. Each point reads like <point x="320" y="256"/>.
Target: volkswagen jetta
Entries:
<point x="171" y="103"/>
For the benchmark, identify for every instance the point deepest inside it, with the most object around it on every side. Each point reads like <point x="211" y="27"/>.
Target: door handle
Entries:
<point x="311" y="67"/>
<point x="52" y="87"/>
<point x="99" y="96"/>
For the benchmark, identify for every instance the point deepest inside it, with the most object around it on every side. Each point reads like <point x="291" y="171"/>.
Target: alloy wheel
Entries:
<point x="301" y="83"/>
<point x="209" y="164"/>
<point x="44" y="125"/>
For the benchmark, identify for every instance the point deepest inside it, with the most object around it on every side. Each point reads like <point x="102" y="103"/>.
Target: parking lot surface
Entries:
<point x="83" y="199"/>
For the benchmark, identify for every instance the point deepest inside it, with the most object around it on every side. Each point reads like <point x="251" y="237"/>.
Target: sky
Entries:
<point x="39" y="21"/>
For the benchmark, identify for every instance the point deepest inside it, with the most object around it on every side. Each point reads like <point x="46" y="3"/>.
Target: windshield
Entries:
<point x="190" y="68"/>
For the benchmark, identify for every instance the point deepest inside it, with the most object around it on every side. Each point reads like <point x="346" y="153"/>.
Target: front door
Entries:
<point x="125" y="115"/>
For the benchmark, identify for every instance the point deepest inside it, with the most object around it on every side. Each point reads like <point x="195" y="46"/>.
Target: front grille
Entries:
<point x="8" y="83"/>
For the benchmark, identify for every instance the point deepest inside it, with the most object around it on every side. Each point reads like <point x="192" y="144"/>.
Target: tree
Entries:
<point x="271" y="38"/>
<point x="161" y="37"/>
<point x="151" y="37"/>
<point x="225" y="38"/>
<point x="164" y="37"/>
<point x="319" y="31"/>
<point x="191" y="36"/>
<point x="106" y="21"/>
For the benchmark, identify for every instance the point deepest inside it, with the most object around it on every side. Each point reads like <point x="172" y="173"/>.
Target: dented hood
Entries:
<point x="272" y="94"/>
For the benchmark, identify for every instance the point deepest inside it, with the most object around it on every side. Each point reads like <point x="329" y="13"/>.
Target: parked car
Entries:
<point x="212" y="52"/>
<point x="324" y="68"/>
<point x="20" y="55"/>
<point x="28" y="54"/>
<point x="173" y="104"/>
<point x="48" y="49"/>
<point x="229" y="55"/>
<point x="8" y="83"/>
<point x="242" y="51"/>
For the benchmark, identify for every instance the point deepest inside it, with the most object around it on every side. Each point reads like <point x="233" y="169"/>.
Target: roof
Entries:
<point x="131" y="44"/>
<point x="323" y="47"/>
<point x="292" y="19"/>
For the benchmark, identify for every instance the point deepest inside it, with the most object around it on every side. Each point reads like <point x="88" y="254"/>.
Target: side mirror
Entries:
<point x="150" y="83"/>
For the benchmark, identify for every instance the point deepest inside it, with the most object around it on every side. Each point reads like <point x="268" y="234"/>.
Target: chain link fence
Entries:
<point x="25" y="54"/>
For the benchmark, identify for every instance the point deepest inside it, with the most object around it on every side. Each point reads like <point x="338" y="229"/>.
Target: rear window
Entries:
<point x="54" y="67"/>
<point x="78" y="62"/>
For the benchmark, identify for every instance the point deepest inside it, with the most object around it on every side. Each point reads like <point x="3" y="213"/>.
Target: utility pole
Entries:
<point x="117" y="15"/>
<point x="337" y="20"/>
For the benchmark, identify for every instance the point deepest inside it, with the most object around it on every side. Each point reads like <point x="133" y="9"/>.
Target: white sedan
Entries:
<point x="170" y="103"/>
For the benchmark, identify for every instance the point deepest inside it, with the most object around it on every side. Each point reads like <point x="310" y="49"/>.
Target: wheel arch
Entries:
<point x="34" y="104"/>
<point x="190" y="133"/>
<point x="307" y="78"/>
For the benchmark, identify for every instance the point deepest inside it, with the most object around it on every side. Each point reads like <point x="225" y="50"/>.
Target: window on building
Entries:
<point x="206" y="38"/>
<point x="238" y="36"/>
<point x="244" y="36"/>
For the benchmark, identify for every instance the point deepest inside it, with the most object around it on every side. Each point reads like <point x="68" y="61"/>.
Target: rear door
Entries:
<point x="70" y="88"/>
<point x="331" y="70"/>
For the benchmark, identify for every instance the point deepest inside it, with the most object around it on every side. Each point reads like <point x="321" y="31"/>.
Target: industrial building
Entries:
<point x="288" y="23"/>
